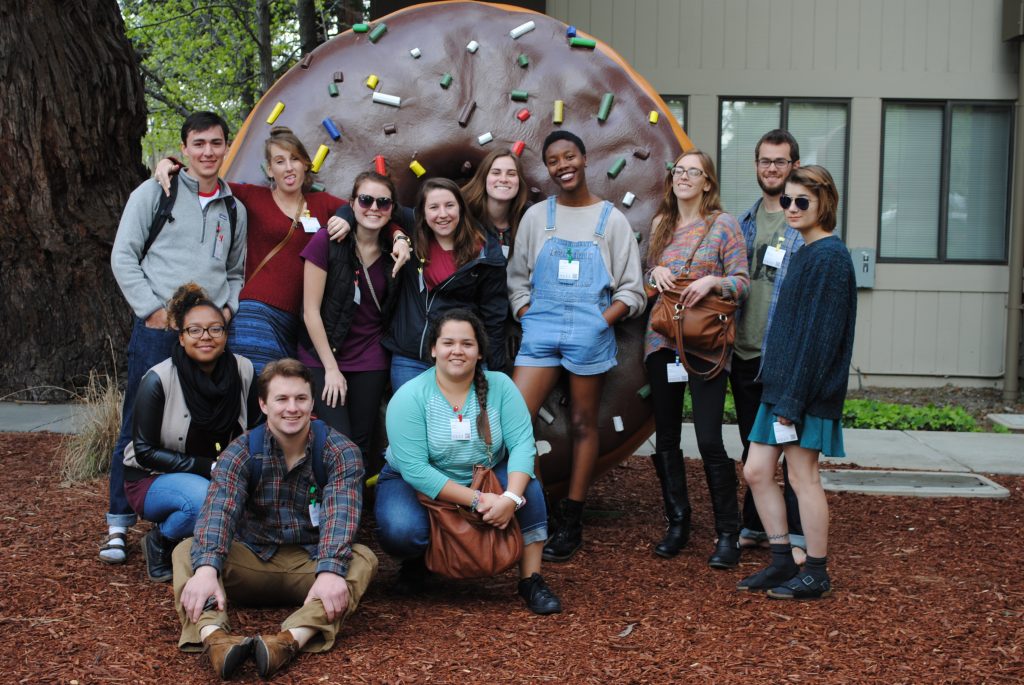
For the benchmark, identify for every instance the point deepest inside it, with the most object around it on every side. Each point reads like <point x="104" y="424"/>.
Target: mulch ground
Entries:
<point x="927" y="591"/>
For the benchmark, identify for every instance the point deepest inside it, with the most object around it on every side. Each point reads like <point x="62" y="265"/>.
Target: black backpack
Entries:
<point x="163" y="215"/>
<point x="257" y="436"/>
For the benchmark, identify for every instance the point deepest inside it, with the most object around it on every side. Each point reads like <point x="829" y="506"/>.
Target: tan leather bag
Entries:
<point x="709" y="325"/>
<point x="461" y="544"/>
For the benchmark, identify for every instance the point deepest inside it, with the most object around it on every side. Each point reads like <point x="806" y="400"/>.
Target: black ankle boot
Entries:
<point x="568" y="538"/>
<point x="672" y="473"/>
<point x="156" y="550"/>
<point x="726" y="554"/>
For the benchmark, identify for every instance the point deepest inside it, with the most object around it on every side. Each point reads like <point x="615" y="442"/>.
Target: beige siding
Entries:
<point x="921" y="323"/>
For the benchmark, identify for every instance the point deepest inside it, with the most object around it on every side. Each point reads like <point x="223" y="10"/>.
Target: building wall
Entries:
<point x="922" y="323"/>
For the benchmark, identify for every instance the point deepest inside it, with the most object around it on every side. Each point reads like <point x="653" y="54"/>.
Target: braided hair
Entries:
<point x="483" y="425"/>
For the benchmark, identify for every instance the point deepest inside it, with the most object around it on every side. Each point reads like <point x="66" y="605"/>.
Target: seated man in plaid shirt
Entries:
<point x="295" y="535"/>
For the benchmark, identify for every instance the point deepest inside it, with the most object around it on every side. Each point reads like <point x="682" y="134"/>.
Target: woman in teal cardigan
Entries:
<point x="435" y="423"/>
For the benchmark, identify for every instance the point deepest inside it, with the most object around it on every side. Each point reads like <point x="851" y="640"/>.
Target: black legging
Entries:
<point x="357" y="418"/>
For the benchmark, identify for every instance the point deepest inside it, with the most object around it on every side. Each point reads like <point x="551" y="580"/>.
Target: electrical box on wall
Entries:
<point x="864" y="266"/>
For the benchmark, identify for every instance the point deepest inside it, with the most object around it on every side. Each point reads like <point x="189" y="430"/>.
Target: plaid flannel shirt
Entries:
<point x="792" y="242"/>
<point x="277" y="512"/>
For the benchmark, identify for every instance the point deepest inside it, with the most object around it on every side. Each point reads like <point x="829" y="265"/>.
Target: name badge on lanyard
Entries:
<point x="773" y="257"/>
<point x="568" y="269"/>
<point x="460" y="429"/>
<point x="676" y="372"/>
<point x="310" y="224"/>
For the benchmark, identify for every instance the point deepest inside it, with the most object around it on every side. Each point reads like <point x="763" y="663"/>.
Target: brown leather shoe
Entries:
<point x="273" y="652"/>
<point x="226" y="652"/>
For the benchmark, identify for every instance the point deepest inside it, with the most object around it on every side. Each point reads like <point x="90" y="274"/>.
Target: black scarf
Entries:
<point x="215" y="399"/>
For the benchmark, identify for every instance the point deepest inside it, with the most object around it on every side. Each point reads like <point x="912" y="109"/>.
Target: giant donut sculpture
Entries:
<point x="431" y="89"/>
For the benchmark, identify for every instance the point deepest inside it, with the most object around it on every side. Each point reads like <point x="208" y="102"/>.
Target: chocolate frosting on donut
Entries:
<point x="439" y="127"/>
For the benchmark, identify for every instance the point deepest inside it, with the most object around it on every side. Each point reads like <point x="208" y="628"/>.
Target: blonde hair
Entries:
<point x="283" y="137"/>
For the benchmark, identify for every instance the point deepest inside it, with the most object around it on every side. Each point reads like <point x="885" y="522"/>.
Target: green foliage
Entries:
<point x="729" y="416"/>
<point x="197" y="54"/>
<point x="1000" y="428"/>
<point x="891" y="416"/>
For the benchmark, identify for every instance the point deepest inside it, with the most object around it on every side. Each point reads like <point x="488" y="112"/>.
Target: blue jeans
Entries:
<point x="404" y="527"/>
<point x="147" y="348"/>
<point x="173" y="502"/>
<point x="404" y="369"/>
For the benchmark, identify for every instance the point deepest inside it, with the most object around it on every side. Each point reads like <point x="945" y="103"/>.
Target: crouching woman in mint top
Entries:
<point x="808" y="348"/>
<point x="435" y="429"/>
<point x="187" y="409"/>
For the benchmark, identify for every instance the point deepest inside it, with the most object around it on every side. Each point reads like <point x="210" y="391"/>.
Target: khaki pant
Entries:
<point x="284" y="580"/>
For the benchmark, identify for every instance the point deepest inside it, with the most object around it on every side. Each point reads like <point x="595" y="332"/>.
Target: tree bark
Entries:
<point x="309" y="33"/>
<point x="72" y="116"/>
<point x="263" y="47"/>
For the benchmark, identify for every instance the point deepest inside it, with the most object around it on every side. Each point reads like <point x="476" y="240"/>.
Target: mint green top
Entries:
<point x="420" y="432"/>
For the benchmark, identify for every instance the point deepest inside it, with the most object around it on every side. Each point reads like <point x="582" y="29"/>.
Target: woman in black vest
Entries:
<point x="346" y="297"/>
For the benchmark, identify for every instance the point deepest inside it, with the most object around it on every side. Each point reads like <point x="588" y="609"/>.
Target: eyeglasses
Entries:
<point x="216" y="331"/>
<point x="802" y="203"/>
<point x="366" y="201"/>
<point x="692" y="172"/>
<point x="778" y="163"/>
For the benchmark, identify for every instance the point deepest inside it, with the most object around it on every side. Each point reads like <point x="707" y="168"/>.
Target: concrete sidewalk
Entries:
<point x="901" y="450"/>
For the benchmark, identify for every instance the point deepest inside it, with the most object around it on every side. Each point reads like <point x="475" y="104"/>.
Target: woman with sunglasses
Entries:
<point x="808" y="348"/>
<point x="691" y="237"/>
<point x="187" y="409"/>
<point x="574" y="274"/>
<point x="457" y="265"/>
<point x="347" y="298"/>
<point x="496" y="196"/>
<point x="281" y="220"/>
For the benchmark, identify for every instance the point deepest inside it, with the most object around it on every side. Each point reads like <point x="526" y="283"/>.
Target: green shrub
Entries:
<point x="892" y="416"/>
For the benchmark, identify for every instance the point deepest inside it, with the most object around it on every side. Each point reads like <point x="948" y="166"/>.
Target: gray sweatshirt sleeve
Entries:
<point x="236" y="258"/>
<point x="520" y="267"/>
<point x="131" y="237"/>
<point x="627" y="275"/>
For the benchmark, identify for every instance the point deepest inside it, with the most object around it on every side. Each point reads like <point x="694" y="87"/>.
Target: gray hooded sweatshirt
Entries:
<point x="196" y="246"/>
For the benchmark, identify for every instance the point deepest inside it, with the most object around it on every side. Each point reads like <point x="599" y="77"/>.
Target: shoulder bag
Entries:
<point x="709" y="325"/>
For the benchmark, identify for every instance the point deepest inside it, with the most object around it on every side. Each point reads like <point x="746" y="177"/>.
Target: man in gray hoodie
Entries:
<point x="203" y="240"/>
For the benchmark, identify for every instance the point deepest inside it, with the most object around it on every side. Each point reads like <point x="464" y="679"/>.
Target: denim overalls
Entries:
<point x="564" y="324"/>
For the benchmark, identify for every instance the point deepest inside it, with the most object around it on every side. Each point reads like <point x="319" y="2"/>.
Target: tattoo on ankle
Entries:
<point x="778" y="537"/>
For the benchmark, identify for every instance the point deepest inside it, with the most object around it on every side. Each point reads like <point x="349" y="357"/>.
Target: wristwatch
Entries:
<point x="519" y="501"/>
<point x="402" y="236"/>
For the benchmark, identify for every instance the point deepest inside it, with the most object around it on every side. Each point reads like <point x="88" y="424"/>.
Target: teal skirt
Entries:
<point x="815" y="433"/>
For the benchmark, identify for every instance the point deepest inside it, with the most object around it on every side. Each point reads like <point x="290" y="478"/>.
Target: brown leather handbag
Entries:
<point x="709" y="325"/>
<point x="462" y="545"/>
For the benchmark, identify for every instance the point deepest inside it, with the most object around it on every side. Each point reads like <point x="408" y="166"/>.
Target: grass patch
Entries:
<point x="893" y="416"/>
<point x="86" y="454"/>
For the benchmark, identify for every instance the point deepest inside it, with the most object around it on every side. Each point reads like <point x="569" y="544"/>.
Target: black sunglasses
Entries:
<point x="366" y="201"/>
<point x="802" y="203"/>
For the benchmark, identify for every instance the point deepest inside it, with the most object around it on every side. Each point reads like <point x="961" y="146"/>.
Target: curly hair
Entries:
<point x="186" y="298"/>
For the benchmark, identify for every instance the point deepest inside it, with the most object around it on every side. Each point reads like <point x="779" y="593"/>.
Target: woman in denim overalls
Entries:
<point x="575" y="272"/>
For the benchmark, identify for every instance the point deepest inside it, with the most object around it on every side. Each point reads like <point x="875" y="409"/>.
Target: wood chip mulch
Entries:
<point x="927" y="591"/>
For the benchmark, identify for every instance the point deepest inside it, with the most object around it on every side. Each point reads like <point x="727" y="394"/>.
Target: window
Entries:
<point x="677" y="105"/>
<point x="821" y="127"/>
<point x="945" y="181"/>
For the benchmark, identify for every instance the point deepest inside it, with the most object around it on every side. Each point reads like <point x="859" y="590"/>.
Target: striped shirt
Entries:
<point x="278" y="513"/>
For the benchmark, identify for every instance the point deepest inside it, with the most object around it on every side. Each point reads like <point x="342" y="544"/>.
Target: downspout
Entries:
<point x="1011" y="382"/>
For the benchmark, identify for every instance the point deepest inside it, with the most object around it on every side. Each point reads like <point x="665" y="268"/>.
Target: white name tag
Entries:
<point x="314" y="514"/>
<point x="460" y="430"/>
<point x="568" y="271"/>
<point x="310" y="224"/>
<point x="357" y="295"/>
<point x="218" y="246"/>
<point x="676" y="373"/>
<point x="784" y="433"/>
<point x="773" y="257"/>
<point x="504" y="251"/>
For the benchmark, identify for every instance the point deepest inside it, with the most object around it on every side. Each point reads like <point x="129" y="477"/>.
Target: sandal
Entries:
<point x="803" y="586"/>
<point x="113" y="553"/>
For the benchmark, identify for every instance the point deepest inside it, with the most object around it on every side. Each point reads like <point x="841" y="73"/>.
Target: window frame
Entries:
<point x="784" y="104"/>
<point x="684" y="99"/>
<point x="944" y="180"/>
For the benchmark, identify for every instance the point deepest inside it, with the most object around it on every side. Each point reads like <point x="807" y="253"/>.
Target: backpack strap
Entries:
<point x="163" y="215"/>
<point x="258" y="435"/>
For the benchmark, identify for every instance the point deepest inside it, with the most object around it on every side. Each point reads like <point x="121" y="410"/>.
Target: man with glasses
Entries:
<point x="198" y="235"/>
<point x="770" y="246"/>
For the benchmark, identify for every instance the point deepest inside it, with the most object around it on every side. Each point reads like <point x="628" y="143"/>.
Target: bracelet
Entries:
<point x="519" y="501"/>
<point x="476" y="500"/>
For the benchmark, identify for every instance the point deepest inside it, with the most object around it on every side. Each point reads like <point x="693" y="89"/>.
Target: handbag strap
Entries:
<point x="287" y="237"/>
<point x="708" y="225"/>
<point x="678" y="316"/>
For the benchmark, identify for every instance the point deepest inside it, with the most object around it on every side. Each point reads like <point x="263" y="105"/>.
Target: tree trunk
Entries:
<point x="263" y="46"/>
<point x="309" y="33"/>
<point x="72" y="116"/>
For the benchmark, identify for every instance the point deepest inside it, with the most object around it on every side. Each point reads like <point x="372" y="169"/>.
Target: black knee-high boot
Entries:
<point x="722" y="484"/>
<point x="672" y="474"/>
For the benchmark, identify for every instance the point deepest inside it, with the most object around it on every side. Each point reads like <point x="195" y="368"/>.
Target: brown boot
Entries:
<point x="273" y="652"/>
<point x="226" y="652"/>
